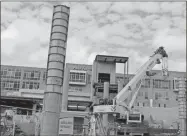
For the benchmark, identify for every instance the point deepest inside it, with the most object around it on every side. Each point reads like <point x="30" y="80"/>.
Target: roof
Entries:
<point x="113" y="59"/>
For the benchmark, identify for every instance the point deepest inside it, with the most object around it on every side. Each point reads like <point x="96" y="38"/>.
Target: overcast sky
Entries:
<point x="127" y="29"/>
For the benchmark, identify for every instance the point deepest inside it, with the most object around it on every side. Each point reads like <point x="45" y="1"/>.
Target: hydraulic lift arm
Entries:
<point x="139" y="75"/>
<point x="120" y="102"/>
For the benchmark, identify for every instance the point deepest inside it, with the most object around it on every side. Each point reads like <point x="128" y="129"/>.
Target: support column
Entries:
<point x="125" y="65"/>
<point x="105" y="96"/>
<point x="55" y="71"/>
<point x="34" y="109"/>
<point x="120" y="86"/>
<point x="65" y="89"/>
<point x="182" y="107"/>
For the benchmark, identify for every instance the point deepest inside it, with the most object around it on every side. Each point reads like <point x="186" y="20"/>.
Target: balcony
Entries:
<point x="77" y="77"/>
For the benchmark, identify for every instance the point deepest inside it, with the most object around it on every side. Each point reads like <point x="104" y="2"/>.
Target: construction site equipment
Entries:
<point x="124" y="100"/>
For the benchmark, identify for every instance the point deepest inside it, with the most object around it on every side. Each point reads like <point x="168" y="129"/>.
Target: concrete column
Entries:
<point x="120" y="86"/>
<point x="93" y="80"/>
<point x="182" y="107"/>
<point x="65" y="89"/>
<point x="105" y="95"/>
<point x="55" y="71"/>
<point x="34" y="109"/>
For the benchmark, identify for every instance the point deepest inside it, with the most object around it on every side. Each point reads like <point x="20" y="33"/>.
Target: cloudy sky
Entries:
<point x="127" y="29"/>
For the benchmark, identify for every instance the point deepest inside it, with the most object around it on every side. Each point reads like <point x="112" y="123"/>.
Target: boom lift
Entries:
<point x="124" y="100"/>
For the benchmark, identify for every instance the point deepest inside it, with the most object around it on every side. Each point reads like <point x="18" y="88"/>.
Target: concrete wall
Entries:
<point x="109" y="68"/>
<point x="86" y="89"/>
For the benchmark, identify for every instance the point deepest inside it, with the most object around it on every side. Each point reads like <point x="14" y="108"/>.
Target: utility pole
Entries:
<point x="55" y="71"/>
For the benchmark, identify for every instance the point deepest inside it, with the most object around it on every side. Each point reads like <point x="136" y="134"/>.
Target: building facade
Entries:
<point x="162" y="90"/>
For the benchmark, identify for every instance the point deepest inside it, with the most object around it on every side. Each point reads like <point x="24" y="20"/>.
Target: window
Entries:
<point x="103" y="77"/>
<point x="146" y="83"/>
<point x="18" y="74"/>
<point x="30" y="85"/>
<point x="10" y="85"/>
<point x="11" y="73"/>
<point x="176" y="84"/>
<point x="166" y="96"/>
<point x="75" y="89"/>
<point x="89" y="79"/>
<point x="161" y="84"/>
<point x="77" y="77"/>
<point x="31" y="75"/>
<point x="138" y="104"/>
<point x="143" y="104"/>
<point x="159" y="95"/>
<point x="159" y="105"/>
<point x="140" y="93"/>
<point x="146" y="95"/>
<point x="44" y="76"/>
<point x="164" y="105"/>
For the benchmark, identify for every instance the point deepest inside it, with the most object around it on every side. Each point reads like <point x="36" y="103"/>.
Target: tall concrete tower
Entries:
<point x="55" y="71"/>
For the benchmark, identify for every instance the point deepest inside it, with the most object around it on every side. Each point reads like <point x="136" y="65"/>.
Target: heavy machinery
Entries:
<point x="123" y="102"/>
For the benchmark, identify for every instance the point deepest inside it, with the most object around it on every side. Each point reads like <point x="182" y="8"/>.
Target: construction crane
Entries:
<point x="124" y="100"/>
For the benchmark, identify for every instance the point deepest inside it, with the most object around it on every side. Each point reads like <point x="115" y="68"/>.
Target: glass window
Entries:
<point x="146" y="95"/>
<point x="77" y="77"/>
<point x="161" y="84"/>
<point x="159" y="105"/>
<point x="31" y="85"/>
<point x="164" y="105"/>
<point x="146" y="83"/>
<point x="44" y="76"/>
<point x="31" y="75"/>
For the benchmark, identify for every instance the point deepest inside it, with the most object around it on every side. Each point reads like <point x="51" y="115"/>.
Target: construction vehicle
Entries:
<point x="123" y="102"/>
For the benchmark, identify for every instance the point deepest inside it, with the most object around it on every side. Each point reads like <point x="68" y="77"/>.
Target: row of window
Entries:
<point x="31" y="75"/>
<point x="158" y="95"/>
<point x="15" y="85"/>
<point x="143" y="105"/>
<point x="11" y="73"/>
<point x="16" y="74"/>
<point x="30" y="85"/>
<point x="158" y="83"/>
<point x="10" y="85"/>
<point x="75" y="89"/>
<point x="77" y="77"/>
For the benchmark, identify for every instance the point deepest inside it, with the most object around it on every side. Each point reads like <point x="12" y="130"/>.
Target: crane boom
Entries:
<point x="131" y="86"/>
<point x="120" y="103"/>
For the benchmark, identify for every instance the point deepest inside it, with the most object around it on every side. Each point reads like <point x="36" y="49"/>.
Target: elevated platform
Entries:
<point x="111" y="59"/>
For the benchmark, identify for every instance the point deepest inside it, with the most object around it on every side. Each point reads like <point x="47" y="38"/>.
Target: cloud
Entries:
<point x="181" y="66"/>
<point x="161" y="23"/>
<point x="76" y="51"/>
<point x="175" y="8"/>
<point x="149" y="7"/>
<point x="172" y="42"/>
<point x="40" y="55"/>
<point x="127" y="29"/>
<point x="98" y="7"/>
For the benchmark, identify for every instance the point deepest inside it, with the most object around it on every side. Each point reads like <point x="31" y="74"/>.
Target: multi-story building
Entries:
<point x="30" y="82"/>
<point x="162" y="90"/>
<point x="86" y="88"/>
